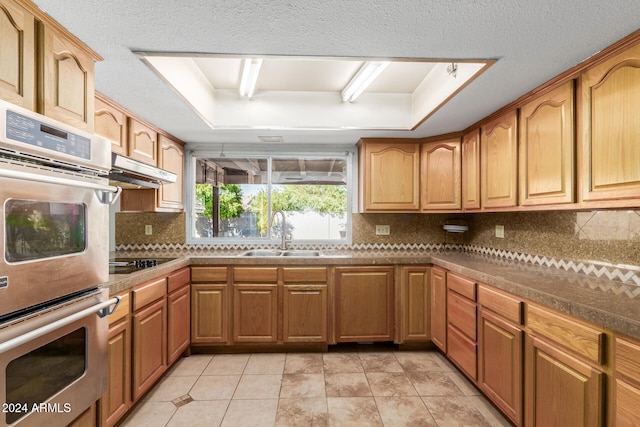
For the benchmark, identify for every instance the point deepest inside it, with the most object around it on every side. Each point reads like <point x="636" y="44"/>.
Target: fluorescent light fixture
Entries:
<point x="363" y="78"/>
<point x="250" y="71"/>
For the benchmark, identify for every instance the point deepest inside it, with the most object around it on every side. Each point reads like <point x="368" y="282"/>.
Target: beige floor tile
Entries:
<point x="302" y="385"/>
<point x="200" y="414"/>
<point x="404" y="411"/>
<point x="171" y="387"/>
<point x="342" y="363"/>
<point x="192" y="365"/>
<point x="258" y="387"/>
<point x="463" y="383"/>
<point x="454" y="411"/>
<point x="434" y="384"/>
<point x="412" y="361"/>
<point x="390" y="384"/>
<point x="380" y="362"/>
<point x="215" y="387"/>
<point x="491" y="414"/>
<point x="353" y="411"/>
<point x="302" y="412"/>
<point x="303" y="363"/>
<point x="265" y="363"/>
<point x="251" y="413"/>
<point x="150" y="414"/>
<point x="227" y="364"/>
<point x="347" y="385"/>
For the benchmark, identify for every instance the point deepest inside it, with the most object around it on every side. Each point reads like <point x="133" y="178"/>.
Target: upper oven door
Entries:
<point x="53" y="236"/>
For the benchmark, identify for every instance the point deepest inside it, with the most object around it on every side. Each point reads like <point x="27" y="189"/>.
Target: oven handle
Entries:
<point x="107" y="194"/>
<point x="102" y="309"/>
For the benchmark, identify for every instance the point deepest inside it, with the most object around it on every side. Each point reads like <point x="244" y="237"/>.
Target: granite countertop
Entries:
<point x="608" y="303"/>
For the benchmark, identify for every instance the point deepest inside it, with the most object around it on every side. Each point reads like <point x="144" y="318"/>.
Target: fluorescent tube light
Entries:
<point x="363" y="78"/>
<point x="250" y="71"/>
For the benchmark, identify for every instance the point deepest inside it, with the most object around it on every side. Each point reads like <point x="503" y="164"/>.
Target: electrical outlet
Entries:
<point x="500" y="231"/>
<point x="148" y="230"/>
<point x="383" y="230"/>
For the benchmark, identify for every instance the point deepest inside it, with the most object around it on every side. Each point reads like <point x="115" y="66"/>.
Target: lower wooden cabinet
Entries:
<point x="364" y="304"/>
<point x="462" y="323"/>
<point x="304" y="313"/>
<point x="438" y="307"/>
<point x="149" y="346"/>
<point x="209" y="314"/>
<point x="414" y="304"/>
<point x="87" y="419"/>
<point x="627" y="383"/>
<point x="178" y="322"/>
<point x="255" y="313"/>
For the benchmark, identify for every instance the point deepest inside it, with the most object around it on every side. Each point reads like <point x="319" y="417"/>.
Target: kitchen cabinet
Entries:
<point x="414" y="304"/>
<point x="627" y="382"/>
<point x="564" y="376"/>
<point x="610" y="130"/>
<point x="547" y="148"/>
<point x="461" y="323"/>
<point x="304" y="308"/>
<point x="499" y="162"/>
<point x="115" y="403"/>
<point x="111" y="123"/>
<point x="149" y="339"/>
<point x="88" y="418"/>
<point x="440" y="175"/>
<point x="438" y="307"/>
<point x="500" y="350"/>
<point x="171" y="158"/>
<point x="470" y="154"/>
<point x="389" y="176"/>
<point x="178" y="314"/>
<point x="209" y="305"/>
<point x="255" y="304"/>
<point x="143" y="142"/>
<point x="17" y="55"/>
<point x="364" y="303"/>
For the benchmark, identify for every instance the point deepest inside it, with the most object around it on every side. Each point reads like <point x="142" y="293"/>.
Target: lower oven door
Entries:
<point x="53" y="364"/>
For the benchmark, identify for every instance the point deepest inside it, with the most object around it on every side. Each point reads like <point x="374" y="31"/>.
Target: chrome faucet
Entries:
<point x="283" y="245"/>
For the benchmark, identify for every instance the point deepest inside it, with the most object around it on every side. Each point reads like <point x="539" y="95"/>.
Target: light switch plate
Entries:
<point x="383" y="230"/>
<point x="500" y="231"/>
<point x="148" y="230"/>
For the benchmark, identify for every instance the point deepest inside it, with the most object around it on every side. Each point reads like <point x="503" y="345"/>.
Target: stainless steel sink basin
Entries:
<point x="277" y="252"/>
<point x="262" y="252"/>
<point x="301" y="253"/>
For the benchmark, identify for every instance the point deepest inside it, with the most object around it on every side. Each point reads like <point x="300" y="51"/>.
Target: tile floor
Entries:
<point x="338" y="388"/>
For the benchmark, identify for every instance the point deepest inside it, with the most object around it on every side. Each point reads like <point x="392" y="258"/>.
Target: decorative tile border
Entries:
<point x="626" y="274"/>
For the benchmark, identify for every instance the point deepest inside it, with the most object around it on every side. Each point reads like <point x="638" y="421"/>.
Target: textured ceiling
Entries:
<point x="533" y="41"/>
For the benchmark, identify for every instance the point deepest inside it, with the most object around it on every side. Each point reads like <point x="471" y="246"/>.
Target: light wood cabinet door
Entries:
<point x="255" y="313"/>
<point x="67" y="77"/>
<point x="209" y="314"/>
<point x="111" y="123"/>
<point x="440" y="175"/>
<point x="143" y="142"/>
<point x="499" y="160"/>
<point x="117" y="400"/>
<point x="610" y="128"/>
<point x="547" y="148"/>
<point x="561" y="390"/>
<point x="414" y="305"/>
<point x="500" y="363"/>
<point x="149" y="346"/>
<point x="438" y="307"/>
<point x="172" y="159"/>
<point x="304" y="313"/>
<point x="178" y="323"/>
<point x="364" y="304"/>
<point x="390" y="176"/>
<point x="17" y="55"/>
<point x="627" y="382"/>
<point x="471" y="170"/>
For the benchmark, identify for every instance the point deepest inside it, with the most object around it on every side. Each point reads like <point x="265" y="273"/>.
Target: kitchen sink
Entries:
<point x="301" y="253"/>
<point x="278" y="252"/>
<point x="262" y="252"/>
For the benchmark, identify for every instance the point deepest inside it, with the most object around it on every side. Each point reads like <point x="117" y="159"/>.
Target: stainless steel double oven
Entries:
<point x="54" y="214"/>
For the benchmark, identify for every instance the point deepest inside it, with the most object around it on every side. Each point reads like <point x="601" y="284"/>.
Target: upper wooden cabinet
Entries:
<point x="17" y="55"/>
<point x="440" y="175"/>
<point x="471" y="170"/>
<point x="610" y="128"/>
<point x="389" y="176"/>
<point x="171" y="158"/>
<point x="143" y="142"/>
<point x="547" y="148"/>
<point x="499" y="157"/>
<point x="111" y="123"/>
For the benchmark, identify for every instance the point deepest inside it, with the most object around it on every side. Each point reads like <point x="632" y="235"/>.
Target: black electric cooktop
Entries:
<point x="131" y="265"/>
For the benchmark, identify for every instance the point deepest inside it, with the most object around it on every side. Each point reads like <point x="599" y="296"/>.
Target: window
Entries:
<point x="234" y="198"/>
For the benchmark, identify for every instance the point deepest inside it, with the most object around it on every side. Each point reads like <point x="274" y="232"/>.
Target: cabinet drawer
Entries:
<point x="209" y="274"/>
<point x="628" y="359"/>
<point x="501" y="303"/>
<point x="255" y="274"/>
<point x="462" y="285"/>
<point x="462" y="351"/>
<point x="461" y="313"/>
<point x="149" y="292"/>
<point x="586" y="340"/>
<point x="124" y="308"/>
<point x="178" y="279"/>
<point x="304" y="275"/>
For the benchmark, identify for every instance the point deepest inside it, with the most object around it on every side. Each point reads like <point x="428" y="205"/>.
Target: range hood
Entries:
<point x="132" y="174"/>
